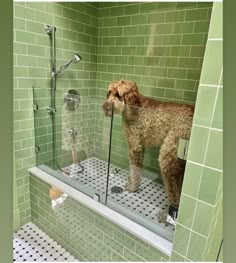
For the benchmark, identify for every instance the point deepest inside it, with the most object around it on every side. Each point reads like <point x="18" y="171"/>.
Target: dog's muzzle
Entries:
<point x="107" y="107"/>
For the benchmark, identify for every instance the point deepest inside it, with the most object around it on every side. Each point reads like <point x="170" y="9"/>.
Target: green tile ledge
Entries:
<point x="139" y="231"/>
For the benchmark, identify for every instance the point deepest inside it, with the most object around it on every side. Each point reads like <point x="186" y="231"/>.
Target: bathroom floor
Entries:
<point x="146" y="202"/>
<point x="31" y="244"/>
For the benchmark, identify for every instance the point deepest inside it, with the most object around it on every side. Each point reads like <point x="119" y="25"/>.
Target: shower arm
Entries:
<point x="62" y="68"/>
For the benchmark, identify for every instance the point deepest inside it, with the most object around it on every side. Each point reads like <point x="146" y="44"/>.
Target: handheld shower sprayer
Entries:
<point x="76" y="58"/>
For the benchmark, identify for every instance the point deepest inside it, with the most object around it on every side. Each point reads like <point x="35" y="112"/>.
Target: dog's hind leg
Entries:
<point x="135" y="159"/>
<point x="172" y="169"/>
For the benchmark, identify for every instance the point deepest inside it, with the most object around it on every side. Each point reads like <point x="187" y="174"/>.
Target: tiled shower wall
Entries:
<point x="158" y="45"/>
<point x="76" y="33"/>
<point x="199" y="229"/>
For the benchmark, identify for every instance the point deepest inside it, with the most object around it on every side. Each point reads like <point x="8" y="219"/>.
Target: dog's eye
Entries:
<point x="118" y="96"/>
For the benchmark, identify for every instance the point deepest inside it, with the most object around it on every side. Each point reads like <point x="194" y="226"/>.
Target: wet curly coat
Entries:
<point x="147" y="123"/>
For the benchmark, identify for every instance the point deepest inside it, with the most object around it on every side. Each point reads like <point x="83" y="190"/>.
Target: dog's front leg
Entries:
<point x="135" y="159"/>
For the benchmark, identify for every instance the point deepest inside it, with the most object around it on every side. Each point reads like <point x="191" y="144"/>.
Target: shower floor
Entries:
<point x="146" y="202"/>
<point x="31" y="244"/>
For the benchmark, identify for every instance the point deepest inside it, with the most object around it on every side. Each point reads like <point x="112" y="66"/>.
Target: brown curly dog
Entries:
<point x="147" y="123"/>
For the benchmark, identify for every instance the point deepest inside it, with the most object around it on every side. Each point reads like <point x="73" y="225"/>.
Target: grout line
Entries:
<point x="209" y="167"/>
<point x="210" y="128"/>
<point x="198" y="200"/>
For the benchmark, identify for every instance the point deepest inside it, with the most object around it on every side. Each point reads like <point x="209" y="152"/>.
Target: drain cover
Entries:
<point x="116" y="189"/>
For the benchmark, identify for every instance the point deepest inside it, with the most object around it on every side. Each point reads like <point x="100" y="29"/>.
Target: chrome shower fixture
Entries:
<point x="76" y="58"/>
<point x="49" y="29"/>
<point x="72" y="100"/>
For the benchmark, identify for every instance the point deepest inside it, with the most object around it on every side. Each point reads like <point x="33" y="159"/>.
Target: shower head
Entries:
<point x="76" y="58"/>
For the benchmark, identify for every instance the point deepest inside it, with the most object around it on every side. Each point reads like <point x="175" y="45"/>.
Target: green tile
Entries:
<point x="137" y="41"/>
<point x="131" y="9"/>
<point x="214" y="151"/>
<point x="205" y="105"/>
<point x="148" y="253"/>
<point x="176" y="257"/>
<point x="209" y="178"/>
<point x="138" y="19"/>
<point x="25" y="12"/>
<point x="175" y="16"/>
<point x="37" y="6"/>
<point x="130" y="256"/>
<point x="19" y="71"/>
<point x="180" y="51"/>
<point x="53" y="8"/>
<point x="186" y="5"/>
<point x="19" y="23"/>
<point x="123" y="21"/>
<point x="130" y="30"/>
<point x="166" y="6"/>
<point x="44" y="17"/>
<point x="118" y="11"/>
<point x="180" y="74"/>
<point x="197" y="51"/>
<point x="192" y="39"/>
<point x="166" y="83"/>
<point x="216" y="26"/>
<point x="122" y="41"/>
<point x="156" y="18"/>
<point x="202" y="222"/>
<point x="186" y="211"/>
<point x="25" y="37"/>
<point x="148" y="7"/>
<point x="201" y="27"/>
<point x="37" y="72"/>
<point x="181" y="239"/>
<point x="192" y="178"/>
<point x="174" y="94"/>
<point x="70" y="14"/>
<point x="26" y="61"/>
<point x="19" y="48"/>
<point x="168" y="62"/>
<point x="193" y="74"/>
<point x="196" y="247"/>
<point x="185" y="27"/>
<point x="218" y="114"/>
<point x="197" y="146"/>
<point x="36" y="50"/>
<point x="188" y="62"/>
<point x="157" y="92"/>
<point x="212" y="65"/>
<point x="194" y="15"/>
<point x="171" y="39"/>
<point x="163" y="29"/>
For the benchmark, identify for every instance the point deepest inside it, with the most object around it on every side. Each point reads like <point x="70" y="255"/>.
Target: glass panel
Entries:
<point x="74" y="147"/>
<point x="136" y="187"/>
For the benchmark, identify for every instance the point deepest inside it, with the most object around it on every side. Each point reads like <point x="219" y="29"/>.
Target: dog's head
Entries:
<point x="119" y="94"/>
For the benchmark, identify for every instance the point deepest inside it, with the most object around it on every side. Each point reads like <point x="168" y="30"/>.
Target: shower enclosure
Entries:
<point x="75" y="143"/>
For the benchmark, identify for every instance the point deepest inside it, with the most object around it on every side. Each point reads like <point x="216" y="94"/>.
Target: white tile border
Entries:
<point x="139" y="231"/>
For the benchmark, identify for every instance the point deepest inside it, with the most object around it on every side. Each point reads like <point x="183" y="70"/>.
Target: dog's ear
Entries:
<point x="129" y="91"/>
<point x="132" y="98"/>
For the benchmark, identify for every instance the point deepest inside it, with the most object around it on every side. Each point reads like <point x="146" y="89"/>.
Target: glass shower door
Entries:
<point x="74" y="146"/>
<point x="135" y="187"/>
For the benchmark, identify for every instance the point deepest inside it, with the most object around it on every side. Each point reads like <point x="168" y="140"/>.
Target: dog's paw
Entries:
<point x="162" y="216"/>
<point x="131" y="188"/>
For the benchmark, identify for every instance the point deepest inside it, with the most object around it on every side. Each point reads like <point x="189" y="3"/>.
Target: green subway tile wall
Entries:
<point x="76" y="33"/>
<point x="84" y="233"/>
<point x="202" y="188"/>
<point x="159" y="45"/>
